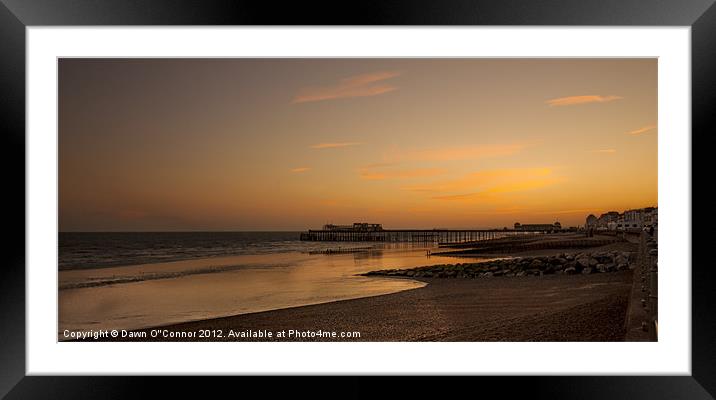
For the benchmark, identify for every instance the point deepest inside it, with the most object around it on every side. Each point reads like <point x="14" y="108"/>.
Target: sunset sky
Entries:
<point x="292" y="144"/>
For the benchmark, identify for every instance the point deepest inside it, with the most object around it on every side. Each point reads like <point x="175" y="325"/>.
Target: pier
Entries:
<point x="409" y="235"/>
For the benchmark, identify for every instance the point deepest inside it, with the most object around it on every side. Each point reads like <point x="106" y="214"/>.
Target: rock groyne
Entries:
<point x="564" y="263"/>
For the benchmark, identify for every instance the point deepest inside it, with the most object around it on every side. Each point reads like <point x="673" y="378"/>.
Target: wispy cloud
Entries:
<point x="489" y="183"/>
<point x="380" y="165"/>
<point x="481" y="180"/>
<point x="334" y="145"/>
<point x="464" y="196"/>
<point x="643" y="129"/>
<point x="529" y="184"/>
<point x="573" y="100"/>
<point x="300" y="169"/>
<point x="365" y="85"/>
<point x="579" y="211"/>
<point x="456" y="153"/>
<point x="507" y="210"/>
<point x="605" y="151"/>
<point x="373" y="175"/>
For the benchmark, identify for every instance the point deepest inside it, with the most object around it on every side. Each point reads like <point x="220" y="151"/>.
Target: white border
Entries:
<point x="671" y="355"/>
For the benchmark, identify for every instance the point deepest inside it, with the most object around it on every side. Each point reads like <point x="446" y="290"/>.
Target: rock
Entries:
<point x="587" y="271"/>
<point x="604" y="258"/>
<point x="620" y="259"/>
<point x="410" y="273"/>
<point x="570" y="270"/>
<point x="569" y="257"/>
<point x="601" y="267"/>
<point x="487" y="274"/>
<point x="498" y="273"/>
<point x="583" y="262"/>
<point x="622" y="267"/>
<point x="593" y="262"/>
<point x="521" y="273"/>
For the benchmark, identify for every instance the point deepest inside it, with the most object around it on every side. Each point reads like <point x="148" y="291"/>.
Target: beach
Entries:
<point x="328" y="296"/>
<point x="555" y="307"/>
<point x="548" y="308"/>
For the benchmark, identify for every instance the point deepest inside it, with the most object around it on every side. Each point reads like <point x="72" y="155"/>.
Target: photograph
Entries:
<point x="397" y="199"/>
<point x="393" y="189"/>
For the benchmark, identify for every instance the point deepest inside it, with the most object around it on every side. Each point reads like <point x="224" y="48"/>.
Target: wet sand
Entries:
<point x="546" y="308"/>
<point x="189" y="290"/>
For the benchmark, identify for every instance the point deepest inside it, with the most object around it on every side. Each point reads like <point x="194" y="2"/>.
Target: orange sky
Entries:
<point x="291" y="144"/>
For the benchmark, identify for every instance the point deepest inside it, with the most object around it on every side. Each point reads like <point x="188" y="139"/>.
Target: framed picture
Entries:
<point x="471" y="188"/>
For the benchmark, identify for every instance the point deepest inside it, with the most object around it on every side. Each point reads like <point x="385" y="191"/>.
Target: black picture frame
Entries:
<point x="16" y="15"/>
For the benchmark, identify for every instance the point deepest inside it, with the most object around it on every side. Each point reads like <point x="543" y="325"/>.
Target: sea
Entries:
<point x="81" y="250"/>
<point x="138" y="280"/>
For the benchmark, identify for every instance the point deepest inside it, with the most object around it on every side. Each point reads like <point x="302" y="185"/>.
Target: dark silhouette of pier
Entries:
<point x="411" y="235"/>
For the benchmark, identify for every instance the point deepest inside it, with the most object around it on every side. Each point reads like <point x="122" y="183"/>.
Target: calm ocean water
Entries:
<point x="102" y="250"/>
<point x="134" y="280"/>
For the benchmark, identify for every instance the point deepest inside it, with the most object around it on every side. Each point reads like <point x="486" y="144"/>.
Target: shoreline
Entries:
<point x="589" y="307"/>
<point x="548" y="308"/>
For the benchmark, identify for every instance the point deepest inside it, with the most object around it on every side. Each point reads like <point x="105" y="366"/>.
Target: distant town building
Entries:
<point x="591" y="221"/>
<point x="538" y="227"/>
<point x="605" y="219"/>
<point x="631" y="219"/>
<point x="651" y="217"/>
<point x="640" y="218"/>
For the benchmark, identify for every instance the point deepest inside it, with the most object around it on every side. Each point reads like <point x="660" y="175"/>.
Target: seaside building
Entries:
<point x="591" y="221"/>
<point x="538" y="227"/>
<point x="605" y="219"/>
<point x="356" y="227"/>
<point x="633" y="219"/>
<point x="651" y="217"/>
<point x="628" y="220"/>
